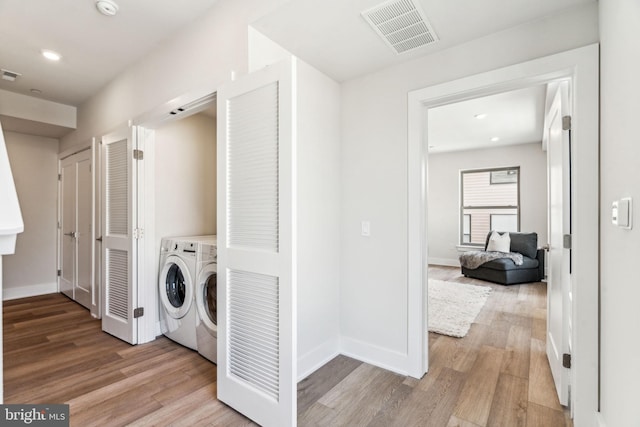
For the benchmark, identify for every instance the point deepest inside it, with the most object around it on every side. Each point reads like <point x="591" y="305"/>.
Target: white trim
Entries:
<point x="580" y="65"/>
<point x="318" y="357"/>
<point x="449" y="262"/>
<point x="29" y="291"/>
<point x="378" y="356"/>
<point x="600" y="420"/>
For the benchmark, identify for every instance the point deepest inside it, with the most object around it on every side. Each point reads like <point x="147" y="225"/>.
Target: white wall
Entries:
<point x="318" y="225"/>
<point x="201" y="57"/>
<point x="374" y="173"/>
<point x="185" y="178"/>
<point x="444" y="193"/>
<point x="32" y="269"/>
<point x="620" y="249"/>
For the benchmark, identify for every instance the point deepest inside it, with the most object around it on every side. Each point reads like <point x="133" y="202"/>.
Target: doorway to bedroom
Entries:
<point x="567" y="66"/>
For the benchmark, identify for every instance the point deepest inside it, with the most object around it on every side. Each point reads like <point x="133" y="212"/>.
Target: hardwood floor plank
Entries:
<point x="324" y="379"/>
<point x="362" y="394"/>
<point x="457" y="422"/>
<point x="517" y="352"/>
<point x="475" y="401"/>
<point x="430" y="407"/>
<point x="541" y="387"/>
<point x="538" y="415"/>
<point x="509" y="407"/>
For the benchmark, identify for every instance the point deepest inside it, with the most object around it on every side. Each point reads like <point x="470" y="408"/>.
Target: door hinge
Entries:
<point x="59" y="273"/>
<point x="138" y="312"/>
<point x="59" y="177"/>
<point x="138" y="233"/>
<point x="567" y="241"/>
<point x="566" y="361"/>
<point x="138" y="154"/>
<point x="566" y="123"/>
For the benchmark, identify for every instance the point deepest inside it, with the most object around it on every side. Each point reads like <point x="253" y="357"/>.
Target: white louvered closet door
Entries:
<point x="118" y="245"/>
<point x="256" y="304"/>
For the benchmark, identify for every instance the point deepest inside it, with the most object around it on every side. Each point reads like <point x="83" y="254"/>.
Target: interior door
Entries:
<point x="559" y="279"/>
<point x="119" y="247"/>
<point x="256" y="320"/>
<point x="68" y="197"/>
<point x="76" y="279"/>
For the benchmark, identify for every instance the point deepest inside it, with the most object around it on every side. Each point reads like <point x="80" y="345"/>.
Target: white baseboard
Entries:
<point x="600" y="420"/>
<point x="378" y="356"/>
<point x="444" y="261"/>
<point x="317" y="358"/>
<point x="29" y="291"/>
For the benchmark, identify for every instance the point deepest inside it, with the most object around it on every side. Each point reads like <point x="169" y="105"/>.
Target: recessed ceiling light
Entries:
<point x="480" y="116"/>
<point x="35" y="91"/>
<point x="51" y="55"/>
<point x="495" y="139"/>
<point x="107" y="7"/>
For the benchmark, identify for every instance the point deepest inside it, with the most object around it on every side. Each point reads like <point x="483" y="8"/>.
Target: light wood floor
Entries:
<point x="498" y="375"/>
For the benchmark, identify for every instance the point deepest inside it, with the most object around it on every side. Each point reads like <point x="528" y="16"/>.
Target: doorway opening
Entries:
<point x="580" y="67"/>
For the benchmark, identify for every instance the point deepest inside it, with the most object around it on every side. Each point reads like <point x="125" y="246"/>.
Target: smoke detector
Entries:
<point x="9" y="75"/>
<point x="107" y="7"/>
<point x="402" y="25"/>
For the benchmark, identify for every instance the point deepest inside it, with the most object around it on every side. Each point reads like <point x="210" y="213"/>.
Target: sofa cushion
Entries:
<point x="525" y="243"/>
<point x="499" y="242"/>
<point x="507" y="264"/>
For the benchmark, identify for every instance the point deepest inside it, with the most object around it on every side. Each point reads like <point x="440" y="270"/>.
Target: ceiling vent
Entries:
<point x="9" y="75"/>
<point x="401" y="24"/>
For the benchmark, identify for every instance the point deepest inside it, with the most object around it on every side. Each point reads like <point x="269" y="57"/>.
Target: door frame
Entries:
<point x="581" y="66"/>
<point x="148" y="269"/>
<point x="95" y="176"/>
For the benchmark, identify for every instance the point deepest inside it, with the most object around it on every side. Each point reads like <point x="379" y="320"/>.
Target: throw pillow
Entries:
<point x="525" y="243"/>
<point x="499" y="243"/>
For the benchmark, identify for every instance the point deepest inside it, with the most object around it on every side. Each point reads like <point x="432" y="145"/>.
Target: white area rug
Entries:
<point x="454" y="306"/>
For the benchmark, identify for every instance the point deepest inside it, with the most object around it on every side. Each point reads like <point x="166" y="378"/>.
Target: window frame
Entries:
<point x="462" y="209"/>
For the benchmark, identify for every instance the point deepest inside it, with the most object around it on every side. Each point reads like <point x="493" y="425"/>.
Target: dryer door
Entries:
<point x="175" y="287"/>
<point x="206" y="298"/>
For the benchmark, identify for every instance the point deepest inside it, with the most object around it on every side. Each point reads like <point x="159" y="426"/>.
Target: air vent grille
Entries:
<point x="401" y="24"/>
<point x="9" y="75"/>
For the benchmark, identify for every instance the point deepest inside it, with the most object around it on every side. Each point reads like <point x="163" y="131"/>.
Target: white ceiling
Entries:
<point x="329" y="34"/>
<point x="515" y="117"/>
<point x="332" y="36"/>
<point x="94" y="47"/>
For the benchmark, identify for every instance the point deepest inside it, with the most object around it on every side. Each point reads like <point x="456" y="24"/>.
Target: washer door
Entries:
<point x="175" y="287"/>
<point x="206" y="297"/>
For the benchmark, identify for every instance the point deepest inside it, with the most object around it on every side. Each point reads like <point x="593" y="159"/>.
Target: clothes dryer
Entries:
<point x="206" y="300"/>
<point x="176" y="285"/>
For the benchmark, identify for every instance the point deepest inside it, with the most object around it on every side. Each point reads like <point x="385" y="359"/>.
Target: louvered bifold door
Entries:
<point x="119" y="249"/>
<point x="256" y="310"/>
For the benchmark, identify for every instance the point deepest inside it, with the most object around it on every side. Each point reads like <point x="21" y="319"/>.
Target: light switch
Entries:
<point x="366" y="228"/>
<point x="621" y="213"/>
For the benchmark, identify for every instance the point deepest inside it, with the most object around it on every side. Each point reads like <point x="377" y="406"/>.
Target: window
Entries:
<point x="490" y="200"/>
<point x="466" y="228"/>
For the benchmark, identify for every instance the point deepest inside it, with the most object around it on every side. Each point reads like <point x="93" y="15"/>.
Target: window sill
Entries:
<point x="466" y="248"/>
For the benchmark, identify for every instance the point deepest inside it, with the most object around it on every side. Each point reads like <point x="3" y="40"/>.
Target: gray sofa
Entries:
<point x="505" y="271"/>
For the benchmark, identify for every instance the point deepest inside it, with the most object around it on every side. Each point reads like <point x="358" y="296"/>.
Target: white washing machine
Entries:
<point x="176" y="289"/>
<point x="206" y="300"/>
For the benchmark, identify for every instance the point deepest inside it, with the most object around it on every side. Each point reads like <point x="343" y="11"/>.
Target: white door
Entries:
<point x="559" y="280"/>
<point x="119" y="247"/>
<point x="76" y="279"/>
<point x="256" y="295"/>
